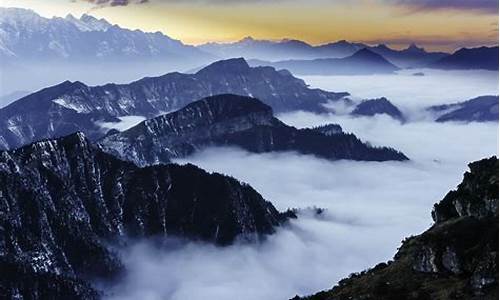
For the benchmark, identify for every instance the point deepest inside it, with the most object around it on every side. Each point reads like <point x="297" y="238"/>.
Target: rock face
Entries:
<point x="457" y="258"/>
<point x="63" y="201"/>
<point x="363" y="61"/>
<point x="230" y="120"/>
<point x="480" y="109"/>
<point x="470" y="58"/>
<point x="378" y="106"/>
<point x="73" y="106"/>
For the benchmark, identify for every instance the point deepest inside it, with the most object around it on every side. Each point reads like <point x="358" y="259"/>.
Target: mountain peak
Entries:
<point x="414" y="48"/>
<point x="232" y="65"/>
<point x="366" y="53"/>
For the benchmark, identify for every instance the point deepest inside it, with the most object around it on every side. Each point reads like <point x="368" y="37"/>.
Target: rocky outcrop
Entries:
<point x="230" y="120"/>
<point x="64" y="201"/>
<point x="73" y="106"/>
<point x="378" y="106"/>
<point x="480" y="109"/>
<point x="457" y="258"/>
<point x="329" y="129"/>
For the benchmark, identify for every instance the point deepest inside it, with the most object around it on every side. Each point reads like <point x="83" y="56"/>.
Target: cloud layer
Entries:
<point x="371" y="207"/>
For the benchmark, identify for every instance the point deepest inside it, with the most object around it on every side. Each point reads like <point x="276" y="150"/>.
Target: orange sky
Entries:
<point x="314" y="21"/>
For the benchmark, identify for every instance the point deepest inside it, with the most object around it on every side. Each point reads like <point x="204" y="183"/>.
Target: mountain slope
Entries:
<point x="378" y="106"/>
<point x="64" y="202"/>
<point x="480" y="109"/>
<point x="473" y="58"/>
<point x="411" y="57"/>
<point x="74" y="106"/>
<point x="229" y="120"/>
<point x="457" y="258"/>
<point x="363" y="61"/>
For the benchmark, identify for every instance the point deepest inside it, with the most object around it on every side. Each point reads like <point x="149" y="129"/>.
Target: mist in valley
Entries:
<point x="370" y="208"/>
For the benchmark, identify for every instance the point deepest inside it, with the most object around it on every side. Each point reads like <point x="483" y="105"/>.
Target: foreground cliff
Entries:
<point x="457" y="258"/>
<point x="231" y="120"/>
<point x="63" y="202"/>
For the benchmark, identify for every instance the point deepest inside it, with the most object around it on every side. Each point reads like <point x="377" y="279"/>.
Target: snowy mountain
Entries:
<point x="235" y="121"/>
<point x="73" y="106"/>
<point x="28" y="36"/>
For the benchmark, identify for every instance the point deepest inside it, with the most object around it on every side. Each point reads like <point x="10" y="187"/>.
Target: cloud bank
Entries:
<point x="371" y="207"/>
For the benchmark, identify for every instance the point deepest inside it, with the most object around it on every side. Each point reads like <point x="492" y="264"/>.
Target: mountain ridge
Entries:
<point x="74" y="106"/>
<point x="230" y="120"/>
<point x="65" y="203"/>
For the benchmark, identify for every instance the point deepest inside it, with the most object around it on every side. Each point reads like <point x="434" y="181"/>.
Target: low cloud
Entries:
<point x="371" y="207"/>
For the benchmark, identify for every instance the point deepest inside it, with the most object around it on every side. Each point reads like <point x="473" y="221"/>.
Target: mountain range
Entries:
<point x="480" y="109"/>
<point x="362" y="62"/>
<point x="470" y="58"/>
<point x="73" y="106"/>
<point x="26" y="36"/>
<point x="230" y="120"/>
<point x="65" y="205"/>
<point x="287" y="49"/>
<point x="457" y="258"/>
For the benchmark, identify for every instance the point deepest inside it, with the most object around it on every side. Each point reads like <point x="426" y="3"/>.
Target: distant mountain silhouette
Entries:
<point x="480" y="109"/>
<point x="364" y="61"/>
<point x="273" y="51"/>
<point x="470" y="58"/>
<point x="411" y="57"/>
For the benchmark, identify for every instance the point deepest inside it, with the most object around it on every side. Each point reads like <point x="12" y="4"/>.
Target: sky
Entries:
<point x="435" y="24"/>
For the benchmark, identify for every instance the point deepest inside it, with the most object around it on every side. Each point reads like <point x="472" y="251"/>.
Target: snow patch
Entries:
<point x="124" y="124"/>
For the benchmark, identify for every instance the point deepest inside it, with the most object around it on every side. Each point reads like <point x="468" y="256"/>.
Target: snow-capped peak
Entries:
<point x="89" y="23"/>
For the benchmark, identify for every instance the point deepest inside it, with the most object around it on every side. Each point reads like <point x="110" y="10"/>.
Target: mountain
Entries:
<point x="85" y="49"/>
<point x="250" y="48"/>
<point x="411" y="57"/>
<point x="470" y="58"/>
<point x="230" y="120"/>
<point x="480" y="109"/>
<point x="457" y="258"/>
<point x="273" y="51"/>
<point x="363" y="61"/>
<point x="74" y="106"/>
<point x="65" y="204"/>
<point x="26" y="36"/>
<point x="11" y="97"/>
<point x="373" y="107"/>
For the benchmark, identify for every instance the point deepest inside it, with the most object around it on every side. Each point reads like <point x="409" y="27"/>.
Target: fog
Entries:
<point x="370" y="206"/>
<point x="411" y="93"/>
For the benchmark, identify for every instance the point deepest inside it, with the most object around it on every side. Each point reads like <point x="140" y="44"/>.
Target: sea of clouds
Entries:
<point x="371" y="206"/>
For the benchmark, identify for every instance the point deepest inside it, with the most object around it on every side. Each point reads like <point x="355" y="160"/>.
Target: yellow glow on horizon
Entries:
<point x="367" y="21"/>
